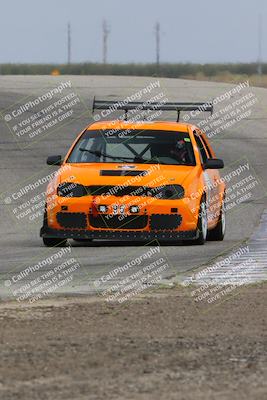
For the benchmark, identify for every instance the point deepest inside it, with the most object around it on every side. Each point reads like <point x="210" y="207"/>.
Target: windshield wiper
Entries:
<point x="99" y="154"/>
<point x="151" y="161"/>
<point x="136" y="160"/>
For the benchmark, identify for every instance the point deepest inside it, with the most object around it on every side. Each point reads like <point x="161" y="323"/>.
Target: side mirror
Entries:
<point x="213" y="163"/>
<point x="54" y="160"/>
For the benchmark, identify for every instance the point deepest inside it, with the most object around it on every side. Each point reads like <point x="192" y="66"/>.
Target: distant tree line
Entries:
<point x="164" y="70"/>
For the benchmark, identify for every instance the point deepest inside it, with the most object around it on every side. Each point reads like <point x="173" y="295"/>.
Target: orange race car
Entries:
<point x="137" y="181"/>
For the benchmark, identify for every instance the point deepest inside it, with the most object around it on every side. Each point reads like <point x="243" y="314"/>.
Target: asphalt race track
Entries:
<point x="23" y="163"/>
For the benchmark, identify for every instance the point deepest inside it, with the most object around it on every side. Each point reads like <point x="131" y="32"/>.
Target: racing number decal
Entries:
<point x="118" y="209"/>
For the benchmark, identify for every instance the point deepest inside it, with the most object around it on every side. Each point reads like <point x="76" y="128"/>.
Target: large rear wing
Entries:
<point x="146" y="105"/>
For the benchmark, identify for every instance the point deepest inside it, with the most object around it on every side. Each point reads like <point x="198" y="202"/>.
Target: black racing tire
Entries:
<point x="83" y="240"/>
<point x="51" y="242"/>
<point x="54" y="242"/>
<point x="202" y="225"/>
<point x="45" y="217"/>
<point x="218" y="233"/>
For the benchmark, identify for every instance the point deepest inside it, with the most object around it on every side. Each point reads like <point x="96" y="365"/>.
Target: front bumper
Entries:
<point x="116" y="234"/>
<point x="81" y="219"/>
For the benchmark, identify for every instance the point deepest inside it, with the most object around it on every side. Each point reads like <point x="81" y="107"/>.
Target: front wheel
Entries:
<point x="219" y="231"/>
<point x="202" y="225"/>
<point x="83" y="240"/>
<point x="54" y="242"/>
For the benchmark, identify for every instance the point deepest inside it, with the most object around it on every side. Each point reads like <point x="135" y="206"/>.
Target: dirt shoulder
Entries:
<point x="161" y="346"/>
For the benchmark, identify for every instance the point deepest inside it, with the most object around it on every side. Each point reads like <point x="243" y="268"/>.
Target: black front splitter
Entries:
<point x="116" y="234"/>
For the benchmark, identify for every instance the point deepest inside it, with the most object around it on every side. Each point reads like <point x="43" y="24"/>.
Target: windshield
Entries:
<point x="144" y="146"/>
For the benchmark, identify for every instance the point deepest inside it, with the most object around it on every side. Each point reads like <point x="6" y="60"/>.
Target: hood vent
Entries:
<point x="113" y="172"/>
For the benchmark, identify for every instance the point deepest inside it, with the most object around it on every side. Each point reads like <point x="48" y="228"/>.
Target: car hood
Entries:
<point x="151" y="175"/>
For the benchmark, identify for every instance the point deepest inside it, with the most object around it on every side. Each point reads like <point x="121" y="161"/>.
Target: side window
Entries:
<point x="201" y="149"/>
<point x="207" y="147"/>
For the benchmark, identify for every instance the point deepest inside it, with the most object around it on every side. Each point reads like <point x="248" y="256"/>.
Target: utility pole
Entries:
<point x="259" y="45"/>
<point x="69" y="43"/>
<point x="106" y="32"/>
<point x="157" y="30"/>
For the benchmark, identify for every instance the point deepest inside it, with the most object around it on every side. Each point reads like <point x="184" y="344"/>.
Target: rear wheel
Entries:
<point x="219" y="231"/>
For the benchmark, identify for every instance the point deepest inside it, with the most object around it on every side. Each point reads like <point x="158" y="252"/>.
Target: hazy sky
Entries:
<point x="192" y="30"/>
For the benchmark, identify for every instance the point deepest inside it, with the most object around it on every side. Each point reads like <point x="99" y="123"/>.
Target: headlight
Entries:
<point x="169" y="192"/>
<point x="71" y="189"/>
